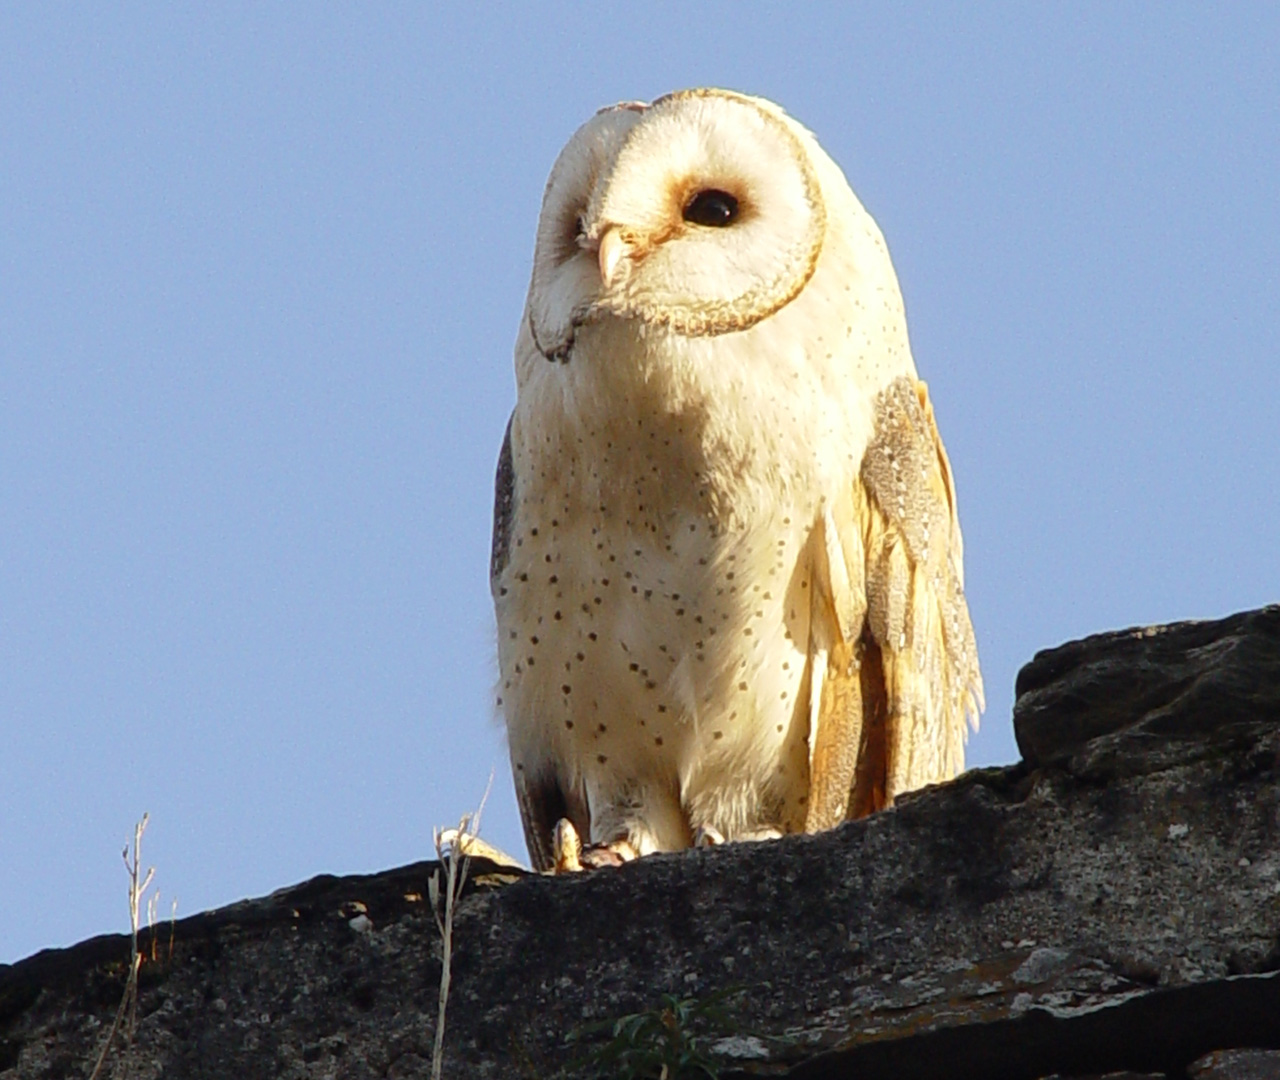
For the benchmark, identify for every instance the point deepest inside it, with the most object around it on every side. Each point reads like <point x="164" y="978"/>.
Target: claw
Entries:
<point x="566" y="847"/>
<point x="707" y="836"/>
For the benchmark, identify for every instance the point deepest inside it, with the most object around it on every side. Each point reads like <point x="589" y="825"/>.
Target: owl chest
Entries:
<point x="650" y="616"/>
<point x="634" y="660"/>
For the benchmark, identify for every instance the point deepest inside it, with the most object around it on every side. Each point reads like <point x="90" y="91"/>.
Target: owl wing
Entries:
<point x="542" y="798"/>
<point x="894" y="667"/>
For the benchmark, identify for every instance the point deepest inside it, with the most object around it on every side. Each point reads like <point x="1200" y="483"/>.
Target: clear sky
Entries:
<point x="261" y="269"/>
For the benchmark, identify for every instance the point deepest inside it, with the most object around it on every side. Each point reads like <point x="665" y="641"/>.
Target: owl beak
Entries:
<point x="613" y="249"/>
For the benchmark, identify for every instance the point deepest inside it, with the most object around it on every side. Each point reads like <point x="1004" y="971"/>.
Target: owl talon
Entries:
<point x="708" y="837"/>
<point x="566" y="848"/>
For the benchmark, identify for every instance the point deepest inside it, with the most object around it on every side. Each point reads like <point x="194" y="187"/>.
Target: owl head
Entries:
<point x="701" y="214"/>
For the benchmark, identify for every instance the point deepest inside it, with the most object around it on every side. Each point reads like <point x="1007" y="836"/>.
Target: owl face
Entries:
<point x="701" y="214"/>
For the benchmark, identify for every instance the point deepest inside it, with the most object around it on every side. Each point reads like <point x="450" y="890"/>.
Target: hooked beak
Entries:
<point x="612" y="250"/>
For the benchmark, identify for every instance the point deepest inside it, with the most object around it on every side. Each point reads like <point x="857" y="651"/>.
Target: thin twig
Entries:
<point x="129" y="1002"/>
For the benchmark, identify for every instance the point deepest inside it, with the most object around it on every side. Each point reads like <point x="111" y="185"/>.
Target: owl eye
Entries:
<point x="579" y="227"/>
<point x="711" y="207"/>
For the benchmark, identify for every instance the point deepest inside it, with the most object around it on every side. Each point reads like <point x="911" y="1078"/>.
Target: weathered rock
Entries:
<point x="1124" y="1075"/>
<point x="1237" y="1065"/>
<point x="1150" y="689"/>
<point x="1109" y="905"/>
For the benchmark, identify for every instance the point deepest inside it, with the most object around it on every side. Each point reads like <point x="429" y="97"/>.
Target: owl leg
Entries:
<point x="639" y="817"/>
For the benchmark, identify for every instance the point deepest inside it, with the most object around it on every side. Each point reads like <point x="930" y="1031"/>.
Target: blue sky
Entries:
<point x="261" y="269"/>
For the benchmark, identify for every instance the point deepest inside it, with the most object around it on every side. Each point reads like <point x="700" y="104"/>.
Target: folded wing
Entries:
<point x="894" y="664"/>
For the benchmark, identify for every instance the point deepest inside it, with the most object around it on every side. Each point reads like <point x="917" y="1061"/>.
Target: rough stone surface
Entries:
<point x="1110" y="905"/>
<point x="1237" y="1065"/>
<point x="1150" y="689"/>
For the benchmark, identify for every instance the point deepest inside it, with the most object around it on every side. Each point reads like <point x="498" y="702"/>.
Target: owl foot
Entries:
<point x="569" y="854"/>
<point x="614" y="853"/>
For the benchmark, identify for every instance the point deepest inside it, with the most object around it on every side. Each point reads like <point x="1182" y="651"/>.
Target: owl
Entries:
<point x="726" y="563"/>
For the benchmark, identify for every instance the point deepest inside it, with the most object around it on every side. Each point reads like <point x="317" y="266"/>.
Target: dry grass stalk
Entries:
<point x="129" y="1002"/>
<point x="454" y="850"/>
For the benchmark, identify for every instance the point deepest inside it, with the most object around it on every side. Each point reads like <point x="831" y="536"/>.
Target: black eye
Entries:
<point x="579" y="227"/>
<point x="711" y="207"/>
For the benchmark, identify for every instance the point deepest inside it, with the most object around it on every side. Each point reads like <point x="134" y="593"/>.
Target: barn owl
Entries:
<point x="726" y="558"/>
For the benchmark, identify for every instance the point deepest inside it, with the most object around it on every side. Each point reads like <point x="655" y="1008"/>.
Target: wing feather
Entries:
<point x="839" y="607"/>
<point x="836" y="737"/>
<point x="916" y="608"/>
<point x="504" y="498"/>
